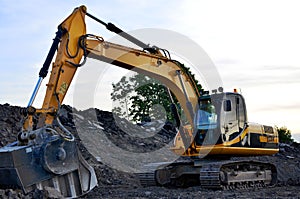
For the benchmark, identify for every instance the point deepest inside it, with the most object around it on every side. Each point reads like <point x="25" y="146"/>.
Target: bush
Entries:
<point x="284" y="134"/>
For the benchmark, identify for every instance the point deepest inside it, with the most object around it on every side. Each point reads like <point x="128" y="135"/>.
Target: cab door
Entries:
<point x="233" y="116"/>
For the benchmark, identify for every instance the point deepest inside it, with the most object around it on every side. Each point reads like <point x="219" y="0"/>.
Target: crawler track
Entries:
<point x="148" y="178"/>
<point x="211" y="174"/>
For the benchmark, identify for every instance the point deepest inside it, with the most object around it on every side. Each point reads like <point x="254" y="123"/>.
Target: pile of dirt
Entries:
<point x="117" y="183"/>
<point x="10" y="124"/>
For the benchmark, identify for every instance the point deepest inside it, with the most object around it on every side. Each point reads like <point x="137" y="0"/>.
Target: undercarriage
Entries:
<point x="211" y="174"/>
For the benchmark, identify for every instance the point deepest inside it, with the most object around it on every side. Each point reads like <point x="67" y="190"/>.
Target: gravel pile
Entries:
<point x="116" y="183"/>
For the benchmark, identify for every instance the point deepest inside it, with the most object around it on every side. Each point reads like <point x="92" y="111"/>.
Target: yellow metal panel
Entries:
<point x="263" y="138"/>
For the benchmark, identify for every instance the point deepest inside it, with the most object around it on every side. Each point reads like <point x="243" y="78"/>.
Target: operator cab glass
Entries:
<point x="206" y="116"/>
<point x="220" y="118"/>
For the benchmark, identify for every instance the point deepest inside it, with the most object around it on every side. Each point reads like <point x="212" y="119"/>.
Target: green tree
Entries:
<point x="151" y="101"/>
<point x="141" y="98"/>
<point x="120" y="96"/>
<point x="284" y="134"/>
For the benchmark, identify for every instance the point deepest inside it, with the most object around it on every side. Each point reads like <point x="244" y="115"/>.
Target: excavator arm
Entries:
<point x="76" y="45"/>
<point x="167" y="71"/>
<point x="67" y="61"/>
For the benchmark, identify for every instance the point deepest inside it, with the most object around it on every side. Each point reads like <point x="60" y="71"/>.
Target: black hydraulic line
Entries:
<point x="44" y="70"/>
<point x="96" y="19"/>
<point x="111" y="27"/>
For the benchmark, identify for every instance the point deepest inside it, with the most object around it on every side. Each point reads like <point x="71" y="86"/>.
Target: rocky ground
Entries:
<point x="112" y="141"/>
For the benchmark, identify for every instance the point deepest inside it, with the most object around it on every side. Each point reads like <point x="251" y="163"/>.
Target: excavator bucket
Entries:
<point x="51" y="163"/>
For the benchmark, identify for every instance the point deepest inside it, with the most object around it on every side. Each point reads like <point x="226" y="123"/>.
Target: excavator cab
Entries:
<point x="220" y="118"/>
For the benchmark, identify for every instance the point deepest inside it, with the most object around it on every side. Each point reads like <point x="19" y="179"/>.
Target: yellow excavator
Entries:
<point x="46" y="154"/>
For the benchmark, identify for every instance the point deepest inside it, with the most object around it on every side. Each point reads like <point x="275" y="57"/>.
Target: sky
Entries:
<point x="254" y="44"/>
